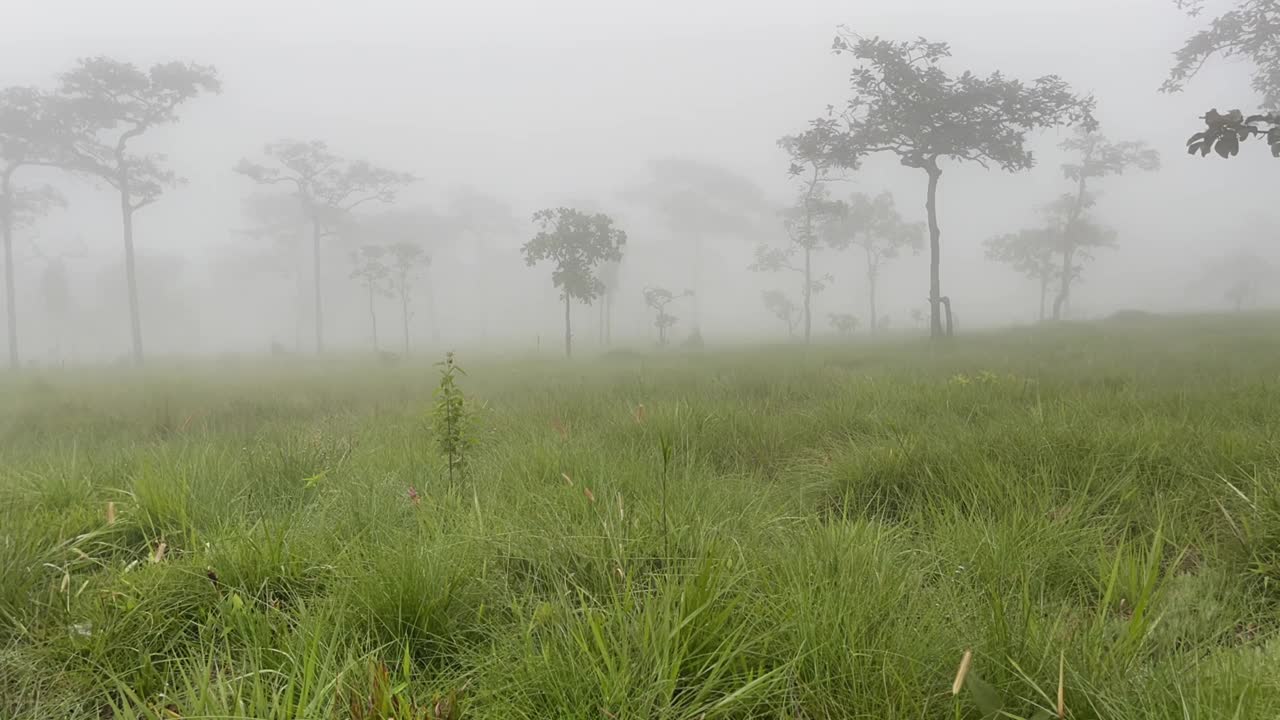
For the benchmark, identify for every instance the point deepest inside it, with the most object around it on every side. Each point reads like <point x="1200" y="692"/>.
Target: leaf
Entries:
<point x="1197" y="137"/>
<point x="314" y="480"/>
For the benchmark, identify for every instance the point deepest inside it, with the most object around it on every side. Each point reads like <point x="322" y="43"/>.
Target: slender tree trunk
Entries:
<point x="404" y="312"/>
<point x="1044" y="290"/>
<point x="935" y="234"/>
<point x="10" y="291"/>
<point x="1064" y="292"/>
<point x="697" y="280"/>
<point x="315" y="255"/>
<point x="130" y="268"/>
<point x="373" y="319"/>
<point x="608" y="319"/>
<point x="568" y="332"/>
<point x="431" y="306"/>
<point x="808" y="293"/>
<point x="600" y="328"/>
<point x="872" y="272"/>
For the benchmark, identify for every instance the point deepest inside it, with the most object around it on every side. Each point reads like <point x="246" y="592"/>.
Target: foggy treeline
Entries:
<point x="388" y="177"/>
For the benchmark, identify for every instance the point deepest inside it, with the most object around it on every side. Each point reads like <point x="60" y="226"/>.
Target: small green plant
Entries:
<point x="451" y="418"/>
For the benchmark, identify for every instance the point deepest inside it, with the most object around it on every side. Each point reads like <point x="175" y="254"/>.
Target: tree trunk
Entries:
<point x="935" y="234"/>
<point x="315" y="256"/>
<point x="568" y="332"/>
<point x="373" y="320"/>
<point x="404" y="313"/>
<point x="130" y="269"/>
<point x="431" y="307"/>
<point x="872" y="272"/>
<point x="808" y="293"/>
<point x="608" y="319"/>
<point x="600" y="329"/>
<point x="10" y="292"/>
<point x="1044" y="290"/>
<point x="1064" y="292"/>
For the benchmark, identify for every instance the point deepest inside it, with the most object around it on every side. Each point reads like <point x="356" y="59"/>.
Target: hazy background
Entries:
<point x="566" y="102"/>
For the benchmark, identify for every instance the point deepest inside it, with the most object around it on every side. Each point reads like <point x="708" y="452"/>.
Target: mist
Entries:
<point x="500" y="109"/>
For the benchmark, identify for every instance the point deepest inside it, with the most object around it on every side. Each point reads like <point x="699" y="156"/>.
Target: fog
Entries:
<point x="516" y="106"/>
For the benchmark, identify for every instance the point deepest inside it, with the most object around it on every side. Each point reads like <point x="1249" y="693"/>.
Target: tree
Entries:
<point x="608" y="276"/>
<point x="577" y="243"/>
<point x="846" y="324"/>
<point x="784" y="308"/>
<point x="108" y="104"/>
<point x="1248" y="30"/>
<point x="658" y="299"/>
<point x="874" y="225"/>
<point x="327" y="188"/>
<point x="1241" y="275"/>
<point x="905" y="103"/>
<point x="407" y="259"/>
<point x="28" y="136"/>
<point x="811" y="164"/>
<point x="1030" y="252"/>
<point x="697" y="201"/>
<point x="1096" y="158"/>
<point x="375" y="277"/>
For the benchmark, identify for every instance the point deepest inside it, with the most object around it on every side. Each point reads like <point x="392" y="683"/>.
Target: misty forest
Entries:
<point x="711" y="360"/>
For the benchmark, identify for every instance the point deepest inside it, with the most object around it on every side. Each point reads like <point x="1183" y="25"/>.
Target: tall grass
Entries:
<point x="773" y="533"/>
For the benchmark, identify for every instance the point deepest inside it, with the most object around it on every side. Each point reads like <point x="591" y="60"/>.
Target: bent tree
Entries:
<point x="576" y="242"/>
<point x="108" y="104"/>
<point x="327" y="188"/>
<point x="658" y="298"/>
<point x="906" y="104"/>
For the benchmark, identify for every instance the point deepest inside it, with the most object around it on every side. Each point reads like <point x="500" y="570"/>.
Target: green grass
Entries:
<point x="840" y="525"/>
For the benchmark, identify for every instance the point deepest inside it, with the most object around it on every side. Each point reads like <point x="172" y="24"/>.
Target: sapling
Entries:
<point x="452" y="418"/>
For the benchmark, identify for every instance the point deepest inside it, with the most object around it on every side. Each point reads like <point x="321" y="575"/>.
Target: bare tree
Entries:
<point x="375" y="277"/>
<point x="327" y="188"/>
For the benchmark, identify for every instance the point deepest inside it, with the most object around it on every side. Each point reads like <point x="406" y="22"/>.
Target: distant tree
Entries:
<point x="371" y="271"/>
<point x="1248" y="30"/>
<point x="28" y="136"/>
<point x="845" y="324"/>
<point x="1030" y="252"/>
<point x="658" y="299"/>
<point x="784" y="308"/>
<point x="808" y="219"/>
<point x="407" y="260"/>
<point x="1242" y="274"/>
<point x="874" y="225"/>
<point x="327" y="188"/>
<point x="55" y="285"/>
<point x="917" y="317"/>
<point x="577" y="243"/>
<point x="905" y="103"/>
<point x="607" y="273"/>
<point x="410" y="236"/>
<point x="1096" y="158"/>
<point x="698" y="201"/>
<point x="109" y="103"/>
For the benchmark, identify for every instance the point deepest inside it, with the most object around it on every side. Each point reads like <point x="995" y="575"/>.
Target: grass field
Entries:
<point x="779" y="533"/>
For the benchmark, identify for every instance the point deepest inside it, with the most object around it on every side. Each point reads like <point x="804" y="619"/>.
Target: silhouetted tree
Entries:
<point x="874" y="225"/>
<point x="658" y="299"/>
<point x="577" y="243"/>
<point x="1241" y="275"/>
<point x="846" y="324"/>
<point x="371" y="271"/>
<point x="1096" y="157"/>
<point x="108" y="104"/>
<point x="905" y="103"/>
<point x="327" y="188"/>
<point x="697" y="201"/>
<point x="784" y="308"/>
<point x="607" y="273"/>
<point x="407" y="261"/>
<point x="1249" y="30"/>
<point x="29" y="135"/>
<point x="1030" y="252"/>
